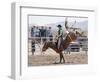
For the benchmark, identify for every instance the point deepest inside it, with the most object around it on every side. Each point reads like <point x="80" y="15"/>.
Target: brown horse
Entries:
<point x="53" y="45"/>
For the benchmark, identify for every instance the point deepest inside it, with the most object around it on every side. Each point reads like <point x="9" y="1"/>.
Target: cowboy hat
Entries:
<point x="59" y="26"/>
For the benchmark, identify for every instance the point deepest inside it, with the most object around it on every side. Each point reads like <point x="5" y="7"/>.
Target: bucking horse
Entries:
<point x="70" y="37"/>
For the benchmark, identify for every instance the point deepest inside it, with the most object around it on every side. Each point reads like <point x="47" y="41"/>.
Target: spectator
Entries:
<point x="44" y="34"/>
<point x="45" y="31"/>
<point x="49" y="34"/>
<point x="37" y="32"/>
<point x="41" y="32"/>
<point x="33" y="31"/>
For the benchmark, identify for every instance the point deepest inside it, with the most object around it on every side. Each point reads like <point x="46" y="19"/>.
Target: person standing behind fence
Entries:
<point x="37" y="32"/>
<point x="49" y="34"/>
<point x="41" y="34"/>
<point x="44" y="33"/>
<point x="33" y="31"/>
<point x="41" y="31"/>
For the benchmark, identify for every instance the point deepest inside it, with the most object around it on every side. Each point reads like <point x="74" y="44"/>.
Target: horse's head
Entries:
<point x="45" y="46"/>
<point x="71" y="36"/>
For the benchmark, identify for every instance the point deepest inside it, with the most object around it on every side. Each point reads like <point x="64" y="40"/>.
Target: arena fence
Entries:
<point x="39" y="42"/>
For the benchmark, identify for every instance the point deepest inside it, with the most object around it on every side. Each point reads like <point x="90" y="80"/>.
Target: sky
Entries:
<point x="43" y="20"/>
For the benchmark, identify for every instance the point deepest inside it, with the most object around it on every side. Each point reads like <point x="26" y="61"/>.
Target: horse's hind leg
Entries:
<point x="60" y="58"/>
<point x="63" y="58"/>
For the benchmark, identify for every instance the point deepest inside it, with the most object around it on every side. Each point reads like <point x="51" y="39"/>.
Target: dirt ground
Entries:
<point x="52" y="59"/>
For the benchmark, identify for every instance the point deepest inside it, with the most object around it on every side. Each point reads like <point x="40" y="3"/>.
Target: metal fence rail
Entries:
<point x="39" y="41"/>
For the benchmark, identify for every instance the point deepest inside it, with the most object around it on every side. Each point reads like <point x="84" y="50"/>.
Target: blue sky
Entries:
<point x="43" y="20"/>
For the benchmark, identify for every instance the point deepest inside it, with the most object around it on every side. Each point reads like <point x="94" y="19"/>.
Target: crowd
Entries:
<point x="41" y="31"/>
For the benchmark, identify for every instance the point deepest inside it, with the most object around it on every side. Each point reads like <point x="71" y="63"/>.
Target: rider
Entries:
<point x="60" y="36"/>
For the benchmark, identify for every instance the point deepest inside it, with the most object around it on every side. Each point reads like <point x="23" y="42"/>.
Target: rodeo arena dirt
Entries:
<point x="76" y="53"/>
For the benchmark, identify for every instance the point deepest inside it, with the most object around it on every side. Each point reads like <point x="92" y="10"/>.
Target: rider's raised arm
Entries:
<point x="66" y="24"/>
